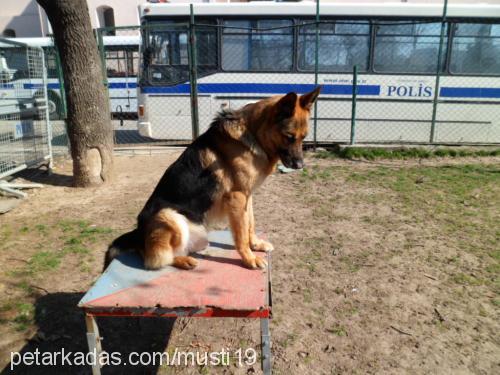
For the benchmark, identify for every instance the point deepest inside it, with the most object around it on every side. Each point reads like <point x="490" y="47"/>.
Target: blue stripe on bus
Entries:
<point x="122" y="85"/>
<point x="261" y="88"/>
<point x="469" y="92"/>
<point x="111" y="85"/>
<point x="278" y="88"/>
<point x="34" y="86"/>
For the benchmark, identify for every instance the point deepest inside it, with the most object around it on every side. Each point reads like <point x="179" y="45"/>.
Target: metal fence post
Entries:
<point x="316" y="69"/>
<point x="193" y="74"/>
<point x="353" y="105"/>
<point x="438" y="74"/>
<point x="102" y="54"/>
<point x="47" y="115"/>
<point x="62" y="91"/>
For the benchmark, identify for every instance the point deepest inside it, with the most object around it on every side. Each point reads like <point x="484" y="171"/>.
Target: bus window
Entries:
<point x="341" y="46"/>
<point x="50" y="62"/>
<point x="166" y="58"/>
<point x="253" y="50"/>
<point x="206" y="49"/>
<point x="475" y="49"/>
<point x="408" y="48"/>
<point x="13" y="60"/>
<point x="121" y="62"/>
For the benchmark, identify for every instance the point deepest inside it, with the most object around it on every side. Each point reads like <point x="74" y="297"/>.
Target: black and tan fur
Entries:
<point x="213" y="180"/>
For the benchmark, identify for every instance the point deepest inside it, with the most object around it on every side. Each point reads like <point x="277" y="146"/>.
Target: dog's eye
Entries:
<point x="290" y="138"/>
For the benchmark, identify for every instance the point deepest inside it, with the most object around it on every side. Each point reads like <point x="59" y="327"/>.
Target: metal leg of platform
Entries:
<point x="265" y="339"/>
<point x="13" y="189"/>
<point x="94" y="342"/>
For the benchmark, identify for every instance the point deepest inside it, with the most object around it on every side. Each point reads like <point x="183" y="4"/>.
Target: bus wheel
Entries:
<point x="55" y="106"/>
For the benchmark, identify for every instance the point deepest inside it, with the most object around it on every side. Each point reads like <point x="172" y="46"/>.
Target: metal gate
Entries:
<point x="25" y="131"/>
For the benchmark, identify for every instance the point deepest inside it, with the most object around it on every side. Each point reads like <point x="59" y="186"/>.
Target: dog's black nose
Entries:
<point x="297" y="164"/>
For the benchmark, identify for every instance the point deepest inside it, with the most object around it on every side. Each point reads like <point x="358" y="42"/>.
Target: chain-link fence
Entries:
<point x="407" y="81"/>
<point x="25" y="132"/>
<point x="56" y="99"/>
<point x="130" y="72"/>
<point x="119" y="51"/>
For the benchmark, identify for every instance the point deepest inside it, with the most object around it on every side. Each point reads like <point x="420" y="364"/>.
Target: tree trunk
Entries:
<point x="89" y="123"/>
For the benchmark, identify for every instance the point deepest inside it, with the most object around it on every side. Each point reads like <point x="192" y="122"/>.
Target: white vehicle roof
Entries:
<point x="34" y="42"/>
<point x="108" y="41"/>
<point x="121" y="40"/>
<point x="306" y="8"/>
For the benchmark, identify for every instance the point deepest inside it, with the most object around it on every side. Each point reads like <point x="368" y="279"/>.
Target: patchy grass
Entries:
<point x="43" y="261"/>
<point x="459" y="201"/>
<point x="337" y="330"/>
<point x="75" y="236"/>
<point x="463" y="279"/>
<point x="25" y="316"/>
<point x="458" y="198"/>
<point x="315" y="173"/>
<point x="48" y="245"/>
<point x="41" y="228"/>
<point x="19" y="314"/>
<point x="51" y="243"/>
<point x="403" y="153"/>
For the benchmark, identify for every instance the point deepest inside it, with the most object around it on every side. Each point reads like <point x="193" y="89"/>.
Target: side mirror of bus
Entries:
<point x="146" y="56"/>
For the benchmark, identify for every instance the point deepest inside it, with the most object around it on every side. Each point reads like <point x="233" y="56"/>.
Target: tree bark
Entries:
<point x="89" y="123"/>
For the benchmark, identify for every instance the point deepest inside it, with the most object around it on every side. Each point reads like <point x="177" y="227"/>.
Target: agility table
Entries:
<point x="218" y="287"/>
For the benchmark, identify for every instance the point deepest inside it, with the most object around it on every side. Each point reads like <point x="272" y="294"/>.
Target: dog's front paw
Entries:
<point x="185" y="262"/>
<point x="255" y="262"/>
<point x="261" y="245"/>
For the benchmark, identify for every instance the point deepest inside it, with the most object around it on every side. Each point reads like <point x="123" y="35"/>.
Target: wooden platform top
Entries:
<point x="218" y="286"/>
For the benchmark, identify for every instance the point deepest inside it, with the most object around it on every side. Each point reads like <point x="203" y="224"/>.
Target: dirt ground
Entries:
<point x="380" y="267"/>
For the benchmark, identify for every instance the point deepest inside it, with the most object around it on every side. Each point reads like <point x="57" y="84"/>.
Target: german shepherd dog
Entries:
<point x="214" y="179"/>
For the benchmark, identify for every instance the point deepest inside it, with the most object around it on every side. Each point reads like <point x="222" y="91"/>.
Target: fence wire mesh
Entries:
<point x="119" y="51"/>
<point x="56" y="101"/>
<point x="417" y="82"/>
<point x="24" y="127"/>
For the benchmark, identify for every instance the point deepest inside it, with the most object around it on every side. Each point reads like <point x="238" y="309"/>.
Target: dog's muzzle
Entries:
<point x="290" y="161"/>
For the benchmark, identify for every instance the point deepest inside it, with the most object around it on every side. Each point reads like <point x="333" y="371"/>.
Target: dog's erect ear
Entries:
<point x="286" y="106"/>
<point x="307" y="100"/>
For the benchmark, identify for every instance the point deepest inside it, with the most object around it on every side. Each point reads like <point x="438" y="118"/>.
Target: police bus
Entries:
<point x="121" y="55"/>
<point x="247" y="51"/>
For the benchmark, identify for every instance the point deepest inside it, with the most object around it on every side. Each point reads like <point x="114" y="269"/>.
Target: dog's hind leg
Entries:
<point x="166" y="242"/>
<point x="128" y="242"/>
<point x="185" y="262"/>
<point x="198" y="238"/>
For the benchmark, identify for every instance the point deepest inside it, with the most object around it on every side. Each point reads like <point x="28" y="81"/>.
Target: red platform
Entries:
<point x="218" y="286"/>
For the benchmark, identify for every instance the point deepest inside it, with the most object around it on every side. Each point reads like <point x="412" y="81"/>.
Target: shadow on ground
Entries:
<point x="42" y="176"/>
<point x="130" y="137"/>
<point x="61" y="325"/>
<point x="133" y="138"/>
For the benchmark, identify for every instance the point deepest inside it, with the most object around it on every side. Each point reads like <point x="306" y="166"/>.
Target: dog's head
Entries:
<point x="291" y="119"/>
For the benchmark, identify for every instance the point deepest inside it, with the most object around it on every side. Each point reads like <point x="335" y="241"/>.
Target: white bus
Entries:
<point x="122" y="66"/>
<point x="394" y="46"/>
<point x="122" y="62"/>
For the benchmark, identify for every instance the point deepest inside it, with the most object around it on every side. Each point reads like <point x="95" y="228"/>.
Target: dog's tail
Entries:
<point x="129" y="242"/>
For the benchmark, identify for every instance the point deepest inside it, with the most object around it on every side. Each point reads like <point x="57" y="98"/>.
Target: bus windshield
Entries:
<point x="165" y="53"/>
